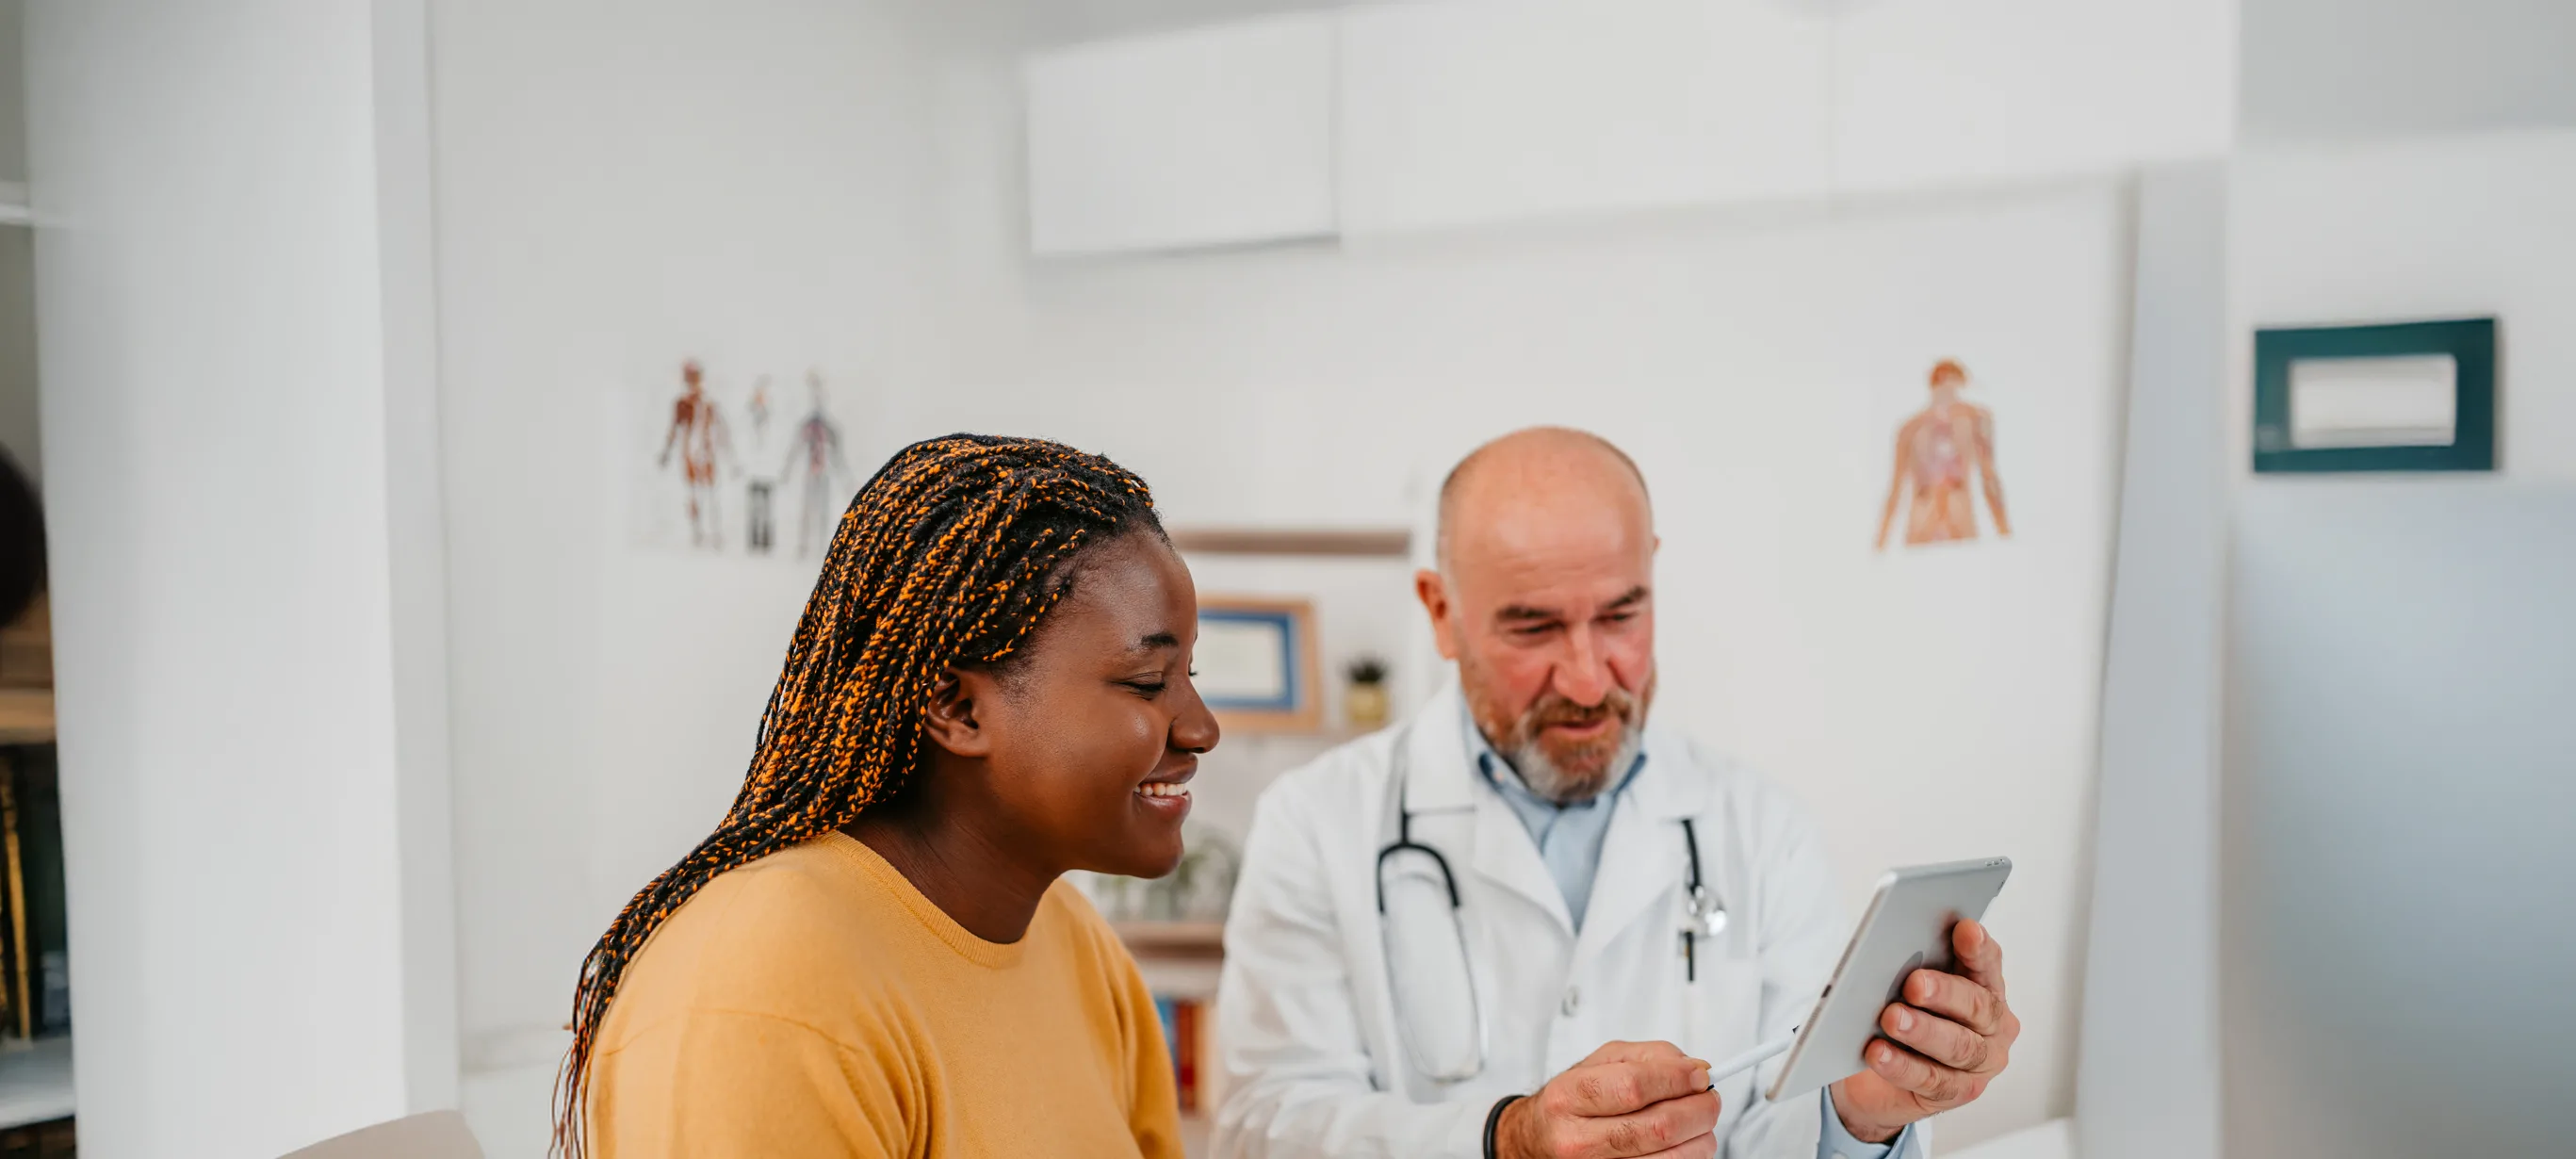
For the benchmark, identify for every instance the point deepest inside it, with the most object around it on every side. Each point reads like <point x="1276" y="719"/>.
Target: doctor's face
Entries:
<point x="1546" y="602"/>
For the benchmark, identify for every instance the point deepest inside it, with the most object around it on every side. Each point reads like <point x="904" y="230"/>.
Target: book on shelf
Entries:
<point x="1183" y="1027"/>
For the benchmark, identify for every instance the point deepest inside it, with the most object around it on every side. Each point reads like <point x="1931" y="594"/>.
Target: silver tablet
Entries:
<point x="1906" y="926"/>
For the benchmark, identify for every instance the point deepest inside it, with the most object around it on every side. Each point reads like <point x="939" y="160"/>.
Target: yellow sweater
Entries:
<point x="815" y="1003"/>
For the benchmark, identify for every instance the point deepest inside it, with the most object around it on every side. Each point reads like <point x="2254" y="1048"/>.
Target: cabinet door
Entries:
<point x="1460" y="112"/>
<point x="1216" y="136"/>
<point x="1976" y="91"/>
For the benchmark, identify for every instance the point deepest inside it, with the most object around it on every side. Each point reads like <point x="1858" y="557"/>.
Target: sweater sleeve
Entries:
<point x="723" y="1084"/>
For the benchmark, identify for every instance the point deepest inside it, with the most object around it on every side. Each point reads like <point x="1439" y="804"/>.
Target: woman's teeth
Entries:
<point x="1164" y="789"/>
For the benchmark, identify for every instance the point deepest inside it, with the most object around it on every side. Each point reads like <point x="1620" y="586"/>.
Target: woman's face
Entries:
<point x="1093" y="737"/>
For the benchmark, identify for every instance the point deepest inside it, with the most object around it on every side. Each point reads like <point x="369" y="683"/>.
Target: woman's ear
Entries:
<point x="948" y="717"/>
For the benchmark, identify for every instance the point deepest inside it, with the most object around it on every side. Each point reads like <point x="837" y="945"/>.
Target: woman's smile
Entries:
<point x="1168" y="794"/>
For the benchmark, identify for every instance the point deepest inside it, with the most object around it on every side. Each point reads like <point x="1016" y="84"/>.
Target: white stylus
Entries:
<point x="1751" y="1058"/>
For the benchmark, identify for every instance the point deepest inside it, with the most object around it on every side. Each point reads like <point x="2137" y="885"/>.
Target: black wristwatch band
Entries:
<point x="1494" y="1119"/>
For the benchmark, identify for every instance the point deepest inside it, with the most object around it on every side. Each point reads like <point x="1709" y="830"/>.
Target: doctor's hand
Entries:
<point x="1956" y="1035"/>
<point x="1627" y="1099"/>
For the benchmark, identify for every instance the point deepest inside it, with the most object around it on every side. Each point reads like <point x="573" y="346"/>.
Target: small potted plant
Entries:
<point x="1364" y="703"/>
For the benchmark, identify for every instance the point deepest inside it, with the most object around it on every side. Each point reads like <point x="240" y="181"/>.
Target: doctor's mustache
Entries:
<point x="1553" y="709"/>
<point x="1567" y="770"/>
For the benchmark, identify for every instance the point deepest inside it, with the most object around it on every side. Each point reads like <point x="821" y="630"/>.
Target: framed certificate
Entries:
<point x="1256" y="663"/>
<point x="2409" y="396"/>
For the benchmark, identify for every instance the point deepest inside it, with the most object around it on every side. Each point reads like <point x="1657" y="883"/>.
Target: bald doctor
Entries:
<point x="1521" y="923"/>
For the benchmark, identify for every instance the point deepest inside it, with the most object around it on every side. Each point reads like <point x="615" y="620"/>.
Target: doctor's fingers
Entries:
<point x="1704" y="1147"/>
<point x="1944" y="1041"/>
<point x="1671" y="1127"/>
<point x="1958" y="999"/>
<point x="1939" y="1086"/>
<point x="1605" y="1090"/>
<point x="1632" y="1052"/>
<point x="1981" y="957"/>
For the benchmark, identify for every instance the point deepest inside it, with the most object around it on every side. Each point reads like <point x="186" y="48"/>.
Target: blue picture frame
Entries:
<point x="2471" y="343"/>
<point x="1285" y="624"/>
<point x="1298" y="705"/>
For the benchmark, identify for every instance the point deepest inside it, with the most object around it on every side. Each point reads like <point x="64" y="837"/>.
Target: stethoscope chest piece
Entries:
<point x="1708" y="918"/>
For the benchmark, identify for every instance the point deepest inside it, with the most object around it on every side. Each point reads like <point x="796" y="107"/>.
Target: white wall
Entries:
<point x="2397" y="917"/>
<point x="2384" y="231"/>
<point x="620" y="186"/>
<point x="224" y="357"/>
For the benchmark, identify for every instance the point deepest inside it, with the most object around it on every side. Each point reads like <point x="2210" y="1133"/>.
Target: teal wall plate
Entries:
<point x="2471" y="343"/>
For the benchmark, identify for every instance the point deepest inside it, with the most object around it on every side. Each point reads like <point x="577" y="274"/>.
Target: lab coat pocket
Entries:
<point x="1724" y="1015"/>
<point x="1724" y="1004"/>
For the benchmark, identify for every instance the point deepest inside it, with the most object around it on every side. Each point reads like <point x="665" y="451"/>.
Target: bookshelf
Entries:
<point x="27" y="676"/>
<point x="1173" y="939"/>
<point x="1360" y="542"/>
<point x="35" y="1065"/>
<point x="1353" y="573"/>
<point x="1180" y="961"/>
<point x="26" y="716"/>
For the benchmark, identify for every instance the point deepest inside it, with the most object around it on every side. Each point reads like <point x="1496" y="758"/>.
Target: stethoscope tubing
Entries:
<point x="1708" y="914"/>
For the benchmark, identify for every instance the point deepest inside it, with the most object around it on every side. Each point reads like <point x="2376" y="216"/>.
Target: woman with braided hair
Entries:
<point x="872" y="955"/>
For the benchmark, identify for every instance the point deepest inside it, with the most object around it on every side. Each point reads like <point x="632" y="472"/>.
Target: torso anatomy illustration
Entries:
<point x="1936" y="452"/>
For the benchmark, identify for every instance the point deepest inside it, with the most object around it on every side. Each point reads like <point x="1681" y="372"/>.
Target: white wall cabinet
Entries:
<point x="1949" y="92"/>
<point x="1432" y="114"/>
<point x="1462" y="112"/>
<point x="1215" y="136"/>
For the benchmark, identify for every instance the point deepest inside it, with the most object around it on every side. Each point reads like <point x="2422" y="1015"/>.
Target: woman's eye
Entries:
<point x="1147" y="688"/>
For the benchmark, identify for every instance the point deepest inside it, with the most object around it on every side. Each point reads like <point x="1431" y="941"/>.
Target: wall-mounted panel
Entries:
<point x="1461" y="112"/>
<point x="1215" y="136"/>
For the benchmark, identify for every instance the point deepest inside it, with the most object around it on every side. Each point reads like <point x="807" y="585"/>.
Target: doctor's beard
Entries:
<point x="1564" y="772"/>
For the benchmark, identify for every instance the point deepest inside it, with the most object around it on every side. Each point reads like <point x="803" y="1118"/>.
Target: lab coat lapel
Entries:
<point x="1643" y="859"/>
<point x="1444" y="779"/>
<point x="1506" y="856"/>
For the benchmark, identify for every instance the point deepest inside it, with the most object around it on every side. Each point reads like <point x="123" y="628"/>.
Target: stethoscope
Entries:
<point x="1705" y="917"/>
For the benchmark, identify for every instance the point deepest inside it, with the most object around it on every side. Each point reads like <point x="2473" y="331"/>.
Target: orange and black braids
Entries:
<point x="949" y="556"/>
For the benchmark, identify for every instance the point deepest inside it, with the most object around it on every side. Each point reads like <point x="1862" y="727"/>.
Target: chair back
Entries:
<point x="429" y="1135"/>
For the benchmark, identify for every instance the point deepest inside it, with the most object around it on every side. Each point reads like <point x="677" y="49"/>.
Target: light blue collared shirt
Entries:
<point x="1569" y="839"/>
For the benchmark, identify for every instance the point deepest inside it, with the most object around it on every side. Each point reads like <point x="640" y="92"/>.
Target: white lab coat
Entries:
<point x="1306" y="1029"/>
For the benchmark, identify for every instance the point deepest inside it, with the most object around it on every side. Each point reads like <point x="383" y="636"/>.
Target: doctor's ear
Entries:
<point x="948" y="717"/>
<point x="1433" y="591"/>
